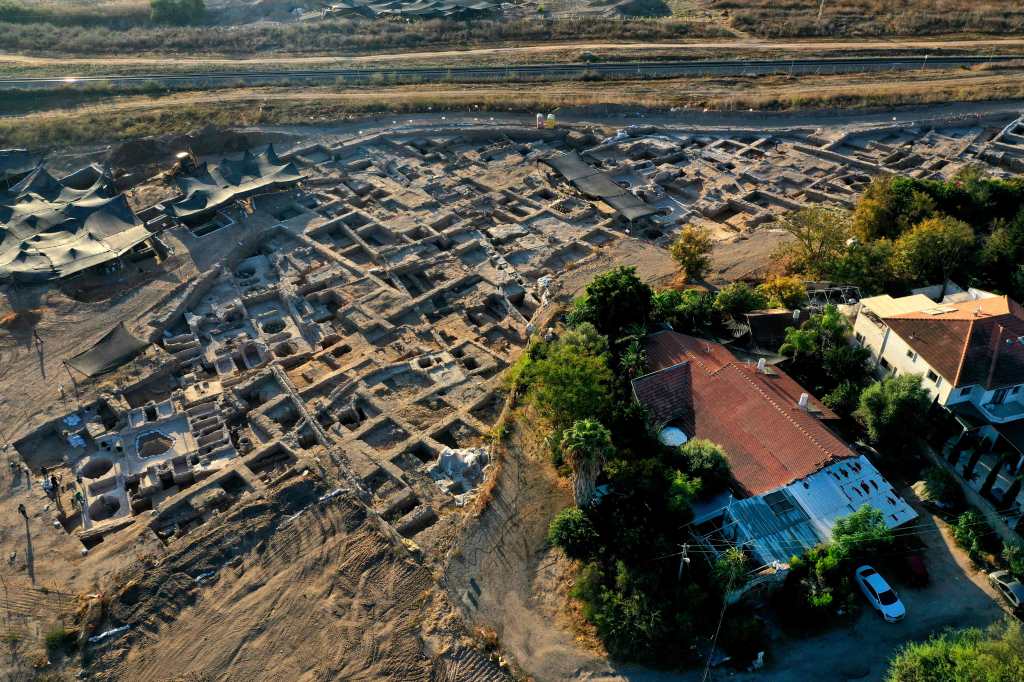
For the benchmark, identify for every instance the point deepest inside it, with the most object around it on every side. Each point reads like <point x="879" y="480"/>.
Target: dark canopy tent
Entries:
<point x="599" y="184"/>
<point x="110" y="352"/>
<point x="14" y="165"/>
<point x="211" y="187"/>
<point x="52" y="228"/>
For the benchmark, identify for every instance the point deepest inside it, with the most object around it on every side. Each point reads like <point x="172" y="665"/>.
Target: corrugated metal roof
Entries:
<point x="885" y="305"/>
<point x="842" y="488"/>
<point x="774" y="532"/>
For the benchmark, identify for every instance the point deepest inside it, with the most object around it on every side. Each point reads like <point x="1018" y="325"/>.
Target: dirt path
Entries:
<point x="993" y="45"/>
<point x="717" y="92"/>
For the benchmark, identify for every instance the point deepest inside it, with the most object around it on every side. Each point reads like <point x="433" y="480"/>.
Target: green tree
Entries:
<point x="177" y="11"/>
<point x="862" y="532"/>
<point x="970" y="531"/>
<point x="894" y="411"/>
<point x="738" y="299"/>
<point x="634" y="359"/>
<point x="586" y="446"/>
<point x="868" y="265"/>
<point x="614" y="301"/>
<point x="566" y="380"/>
<point x="574" y="533"/>
<point x="1013" y="555"/>
<point x="692" y="251"/>
<point x="969" y="655"/>
<point x="819" y="237"/>
<point x="890" y="206"/>
<point x="730" y="569"/>
<point x="935" y="250"/>
<point x="706" y="461"/>
<point x="687" y="311"/>
<point x="784" y="291"/>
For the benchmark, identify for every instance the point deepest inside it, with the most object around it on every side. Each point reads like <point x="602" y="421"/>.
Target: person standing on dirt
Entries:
<point x="23" y="511"/>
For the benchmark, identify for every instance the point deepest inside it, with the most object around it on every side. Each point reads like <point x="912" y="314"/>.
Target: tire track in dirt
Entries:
<point x="322" y="595"/>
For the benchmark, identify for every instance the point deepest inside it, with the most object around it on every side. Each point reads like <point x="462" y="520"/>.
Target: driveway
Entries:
<point x="958" y="596"/>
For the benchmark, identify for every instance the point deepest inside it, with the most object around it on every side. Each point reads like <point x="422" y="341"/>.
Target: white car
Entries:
<point x="882" y="597"/>
<point x="1011" y="589"/>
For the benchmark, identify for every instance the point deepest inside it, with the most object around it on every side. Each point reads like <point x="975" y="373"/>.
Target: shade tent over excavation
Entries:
<point x="15" y="164"/>
<point x="209" y="187"/>
<point x="599" y="184"/>
<point x="52" y="228"/>
<point x="110" y="352"/>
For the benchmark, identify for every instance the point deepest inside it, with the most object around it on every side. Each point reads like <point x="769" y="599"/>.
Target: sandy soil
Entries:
<point x="994" y="45"/>
<point x="326" y="595"/>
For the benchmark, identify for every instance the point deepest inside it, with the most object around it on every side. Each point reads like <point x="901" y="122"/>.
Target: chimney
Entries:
<point x="804" y="397"/>
<point x="760" y="366"/>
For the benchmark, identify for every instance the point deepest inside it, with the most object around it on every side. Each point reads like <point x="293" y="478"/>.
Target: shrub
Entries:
<point x="687" y="311"/>
<point x="1013" y="555"/>
<point x="59" y="639"/>
<point x="738" y="299"/>
<point x="573" y="532"/>
<point x="706" y="461"/>
<point x="995" y="654"/>
<point x="613" y="302"/>
<point x="784" y="292"/>
<point x="941" y="486"/>
<point x="970" y="531"/>
<point x="692" y="251"/>
<point x="178" y="12"/>
<point x="893" y="411"/>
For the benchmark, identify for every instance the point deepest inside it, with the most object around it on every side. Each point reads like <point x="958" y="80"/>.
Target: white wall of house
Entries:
<point x="894" y="356"/>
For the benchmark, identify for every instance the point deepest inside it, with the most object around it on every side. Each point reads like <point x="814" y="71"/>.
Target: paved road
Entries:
<point x="650" y="69"/>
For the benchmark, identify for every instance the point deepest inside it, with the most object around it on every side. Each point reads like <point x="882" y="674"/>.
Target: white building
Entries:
<point x="969" y="352"/>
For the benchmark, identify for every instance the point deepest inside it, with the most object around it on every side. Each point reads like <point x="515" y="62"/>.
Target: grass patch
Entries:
<point x="332" y="36"/>
<point x="60" y="640"/>
<point x="848" y="18"/>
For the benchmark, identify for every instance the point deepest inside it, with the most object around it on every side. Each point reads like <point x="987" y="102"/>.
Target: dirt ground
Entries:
<point x="504" y="577"/>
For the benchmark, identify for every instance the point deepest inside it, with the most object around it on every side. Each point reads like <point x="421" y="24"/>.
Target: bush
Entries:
<point x="739" y="299"/>
<point x="706" y="461"/>
<point x="573" y="532"/>
<point x="1013" y="555"/>
<point x="941" y="486"/>
<point x="692" y="251"/>
<point x="893" y="411"/>
<point x="743" y="636"/>
<point x="687" y="311"/>
<point x="995" y="655"/>
<point x="59" y="639"/>
<point x="970" y="532"/>
<point x="613" y="302"/>
<point x="179" y="12"/>
<point x="784" y="292"/>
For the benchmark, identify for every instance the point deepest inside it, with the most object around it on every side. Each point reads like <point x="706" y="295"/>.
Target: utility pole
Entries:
<point x="684" y="560"/>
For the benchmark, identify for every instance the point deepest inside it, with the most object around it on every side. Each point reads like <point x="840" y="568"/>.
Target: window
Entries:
<point x="859" y="337"/>
<point x="912" y="355"/>
<point x="933" y="376"/>
<point x="885" y="364"/>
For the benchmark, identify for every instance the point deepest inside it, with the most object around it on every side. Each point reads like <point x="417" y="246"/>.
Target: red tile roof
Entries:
<point x="769" y="440"/>
<point x="974" y="342"/>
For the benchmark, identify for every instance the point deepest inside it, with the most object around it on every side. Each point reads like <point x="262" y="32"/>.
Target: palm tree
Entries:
<point x="587" y="445"/>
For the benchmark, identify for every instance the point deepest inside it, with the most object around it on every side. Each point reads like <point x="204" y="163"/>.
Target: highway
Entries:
<point x="619" y="70"/>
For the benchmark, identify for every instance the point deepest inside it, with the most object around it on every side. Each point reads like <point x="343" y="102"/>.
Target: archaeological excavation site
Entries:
<point x="264" y="384"/>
